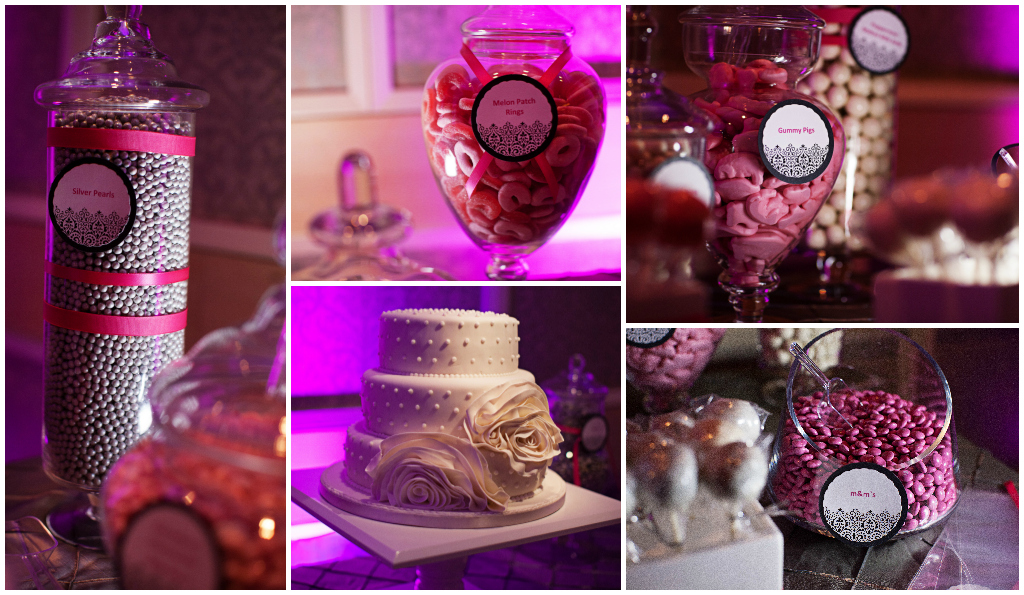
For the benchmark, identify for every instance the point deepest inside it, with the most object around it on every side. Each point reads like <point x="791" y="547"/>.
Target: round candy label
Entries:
<point x="683" y="173"/>
<point x="594" y="433"/>
<point x="648" y="337"/>
<point x="514" y="118"/>
<point x="92" y="204"/>
<point x="795" y="141"/>
<point x="879" y="40"/>
<point x="863" y="504"/>
<point x="168" y="547"/>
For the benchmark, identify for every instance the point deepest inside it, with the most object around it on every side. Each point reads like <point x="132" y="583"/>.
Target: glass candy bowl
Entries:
<point x="893" y="409"/>
<point x="512" y="129"/>
<point x="752" y="58"/>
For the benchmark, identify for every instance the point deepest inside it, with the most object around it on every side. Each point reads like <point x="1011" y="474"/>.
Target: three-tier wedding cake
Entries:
<point x="450" y="423"/>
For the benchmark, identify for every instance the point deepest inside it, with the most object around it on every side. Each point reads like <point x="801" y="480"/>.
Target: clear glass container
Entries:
<point x="361" y="234"/>
<point x="514" y="191"/>
<point x="752" y="57"/>
<point x="896" y="411"/>
<point x="577" y="407"/>
<point x="120" y="139"/>
<point x="665" y="146"/>
<point x="866" y="102"/>
<point x="199" y="502"/>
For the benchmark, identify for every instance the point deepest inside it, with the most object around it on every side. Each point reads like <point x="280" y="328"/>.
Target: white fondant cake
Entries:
<point x="450" y="421"/>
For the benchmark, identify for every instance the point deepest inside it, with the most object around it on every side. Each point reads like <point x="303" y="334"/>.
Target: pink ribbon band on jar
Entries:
<point x="486" y="159"/>
<point x="105" y="139"/>
<point x="575" y="451"/>
<point x="843" y="16"/>
<point x="115" y="279"/>
<point x="103" y="324"/>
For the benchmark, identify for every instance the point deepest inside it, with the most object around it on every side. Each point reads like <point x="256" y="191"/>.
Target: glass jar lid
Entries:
<point x="575" y="383"/>
<point x="225" y="396"/>
<point x="518" y="22"/>
<point x="760" y="15"/>
<point x="122" y="67"/>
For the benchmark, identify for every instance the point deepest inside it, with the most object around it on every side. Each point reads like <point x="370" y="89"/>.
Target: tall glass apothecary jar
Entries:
<point x="775" y="153"/>
<point x="120" y="146"/>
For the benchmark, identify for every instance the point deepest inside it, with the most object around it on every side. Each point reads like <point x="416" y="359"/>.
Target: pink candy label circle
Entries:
<point x="92" y="205"/>
<point x="879" y="40"/>
<point x="514" y="118"/>
<point x="863" y="504"/>
<point x="795" y="141"/>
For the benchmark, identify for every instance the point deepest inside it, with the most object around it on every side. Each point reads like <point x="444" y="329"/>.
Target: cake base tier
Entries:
<point x="336" y="490"/>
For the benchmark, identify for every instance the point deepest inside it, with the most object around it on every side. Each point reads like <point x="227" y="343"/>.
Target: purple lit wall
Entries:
<point x="334" y="329"/>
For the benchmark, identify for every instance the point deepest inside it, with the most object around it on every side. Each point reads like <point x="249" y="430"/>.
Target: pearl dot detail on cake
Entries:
<point x="417" y="407"/>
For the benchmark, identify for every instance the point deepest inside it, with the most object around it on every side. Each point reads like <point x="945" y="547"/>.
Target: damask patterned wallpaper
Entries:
<point x="236" y="52"/>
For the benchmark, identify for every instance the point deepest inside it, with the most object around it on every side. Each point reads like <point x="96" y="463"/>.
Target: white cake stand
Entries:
<point x="440" y="555"/>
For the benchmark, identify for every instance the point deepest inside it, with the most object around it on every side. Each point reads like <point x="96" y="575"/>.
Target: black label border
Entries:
<point x="760" y="141"/>
<point x="547" y="95"/>
<point x="132" y="203"/>
<point x="853" y="25"/>
<point x="662" y="341"/>
<point x="904" y="506"/>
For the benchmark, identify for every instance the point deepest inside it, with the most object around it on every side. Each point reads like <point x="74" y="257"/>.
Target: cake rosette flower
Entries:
<point x="434" y="472"/>
<point x="513" y="419"/>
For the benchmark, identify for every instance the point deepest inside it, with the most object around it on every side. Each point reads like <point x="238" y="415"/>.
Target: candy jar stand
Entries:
<point x="767" y="193"/>
<point x="511" y="176"/>
<point x="121" y="140"/>
<point x="360" y="235"/>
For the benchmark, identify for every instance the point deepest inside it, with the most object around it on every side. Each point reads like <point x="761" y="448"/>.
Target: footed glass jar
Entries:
<point x="775" y="153"/>
<point x="199" y="502"/>
<point x="577" y="406"/>
<point x="512" y="129"/>
<point x="890" y="417"/>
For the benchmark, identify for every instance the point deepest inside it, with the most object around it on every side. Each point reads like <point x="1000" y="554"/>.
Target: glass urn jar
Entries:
<point x="888" y="425"/>
<point x="512" y="129"/>
<point x="775" y="153"/>
<point x="199" y="502"/>
<point x="577" y="406"/>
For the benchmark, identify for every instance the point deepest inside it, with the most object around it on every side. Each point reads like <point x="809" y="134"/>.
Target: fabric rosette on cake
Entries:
<point x="512" y="428"/>
<point x="434" y="472"/>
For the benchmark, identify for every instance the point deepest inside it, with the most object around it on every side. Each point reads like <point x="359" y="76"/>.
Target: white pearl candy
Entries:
<point x="830" y="52"/>
<point x="817" y="240"/>
<point x="826" y="216"/>
<point x="839" y="73"/>
<point x="860" y="84"/>
<point x="857" y="106"/>
<point x="836" y="234"/>
<point x="819" y="82"/>
<point x="837" y="97"/>
<point x="878" y="107"/>
<point x="872" y="127"/>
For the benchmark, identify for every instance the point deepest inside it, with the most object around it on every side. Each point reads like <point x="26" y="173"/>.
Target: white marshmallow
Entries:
<point x="857" y="106"/>
<point x="830" y="52"/>
<point x="839" y="73"/>
<point x="837" y="97"/>
<point x="819" y="82"/>
<point x="826" y="216"/>
<point x="862" y="201"/>
<point x="860" y="84"/>
<point x="832" y="29"/>
<point x="869" y="163"/>
<point x="872" y="127"/>
<point x="817" y="240"/>
<point x="836" y="235"/>
<point x="878" y="107"/>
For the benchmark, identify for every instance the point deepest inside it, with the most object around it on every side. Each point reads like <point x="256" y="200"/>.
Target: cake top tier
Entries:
<point x="448" y="342"/>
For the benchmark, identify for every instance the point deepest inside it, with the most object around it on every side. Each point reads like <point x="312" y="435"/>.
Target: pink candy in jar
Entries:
<point x="675" y="364"/>
<point x="758" y="216"/>
<point x="883" y="429"/>
<point x="512" y="176"/>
